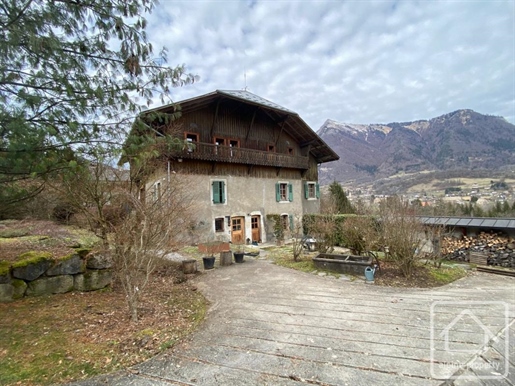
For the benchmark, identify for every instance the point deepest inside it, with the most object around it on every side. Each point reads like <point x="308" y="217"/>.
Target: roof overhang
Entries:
<point x="293" y="123"/>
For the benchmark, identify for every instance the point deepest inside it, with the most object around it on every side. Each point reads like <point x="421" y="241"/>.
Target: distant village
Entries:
<point x="488" y="199"/>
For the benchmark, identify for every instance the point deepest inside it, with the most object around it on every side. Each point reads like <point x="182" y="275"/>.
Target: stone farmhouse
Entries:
<point x="246" y="158"/>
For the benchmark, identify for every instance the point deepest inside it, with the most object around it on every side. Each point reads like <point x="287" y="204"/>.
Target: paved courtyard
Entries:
<point x="269" y="325"/>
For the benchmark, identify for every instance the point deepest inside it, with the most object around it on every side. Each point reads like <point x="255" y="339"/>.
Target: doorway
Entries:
<point x="255" y="222"/>
<point x="238" y="230"/>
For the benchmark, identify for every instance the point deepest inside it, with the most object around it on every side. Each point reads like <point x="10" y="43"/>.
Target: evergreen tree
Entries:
<point x="341" y="203"/>
<point x="72" y="74"/>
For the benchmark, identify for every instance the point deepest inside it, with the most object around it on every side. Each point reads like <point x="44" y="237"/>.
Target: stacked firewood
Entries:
<point x="499" y="249"/>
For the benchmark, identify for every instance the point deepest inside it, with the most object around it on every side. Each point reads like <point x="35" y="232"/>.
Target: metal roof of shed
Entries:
<point x="477" y="222"/>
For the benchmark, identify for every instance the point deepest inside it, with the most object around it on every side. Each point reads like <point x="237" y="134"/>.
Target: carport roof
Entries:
<point x="477" y="222"/>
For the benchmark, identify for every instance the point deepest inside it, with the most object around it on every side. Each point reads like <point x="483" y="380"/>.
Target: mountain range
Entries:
<point x="463" y="139"/>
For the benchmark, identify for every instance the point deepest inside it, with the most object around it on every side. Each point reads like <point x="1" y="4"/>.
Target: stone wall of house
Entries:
<point x="36" y="274"/>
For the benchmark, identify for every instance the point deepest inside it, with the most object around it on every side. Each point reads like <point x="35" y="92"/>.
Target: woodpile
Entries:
<point x="499" y="249"/>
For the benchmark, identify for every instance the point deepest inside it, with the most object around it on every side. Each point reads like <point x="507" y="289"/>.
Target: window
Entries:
<point x="286" y="222"/>
<point x="191" y="138"/>
<point x="219" y="224"/>
<point x="283" y="191"/>
<point x="271" y="148"/>
<point x="156" y="192"/>
<point x="311" y="190"/>
<point x="290" y="151"/>
<point x="218" y="192"/>
<point x="218" y="142"/>
<point x="233" y="143"/>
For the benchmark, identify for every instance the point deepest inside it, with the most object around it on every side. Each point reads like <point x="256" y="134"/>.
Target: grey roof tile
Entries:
<point x="249" y="97"/>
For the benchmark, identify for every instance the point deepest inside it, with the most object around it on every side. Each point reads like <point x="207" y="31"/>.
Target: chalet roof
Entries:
<point x="293" y="123"/>
<point x="476" y="222"/>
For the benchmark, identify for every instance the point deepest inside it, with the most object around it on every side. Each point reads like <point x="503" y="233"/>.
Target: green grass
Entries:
<point x="10" y="233"/>
<point x="41" y="342"/>
<point x="283" y="256"/>
<point x="35" y="350"/>
<point x="446" y="275"/>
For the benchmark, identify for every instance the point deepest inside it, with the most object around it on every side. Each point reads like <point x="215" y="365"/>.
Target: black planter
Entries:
<point x="209" y="262"/>
<point x="238" y="257"/>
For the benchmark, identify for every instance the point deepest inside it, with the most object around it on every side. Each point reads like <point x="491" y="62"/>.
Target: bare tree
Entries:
<point x="324" y="229"/>
<point x="96" y="191"/>
<point x="151" y="231"/>
<point x="401" y="232"/>
<point x="360" y="234"/>
<point x="297" y="234"/>
<point x="136" y="231"/>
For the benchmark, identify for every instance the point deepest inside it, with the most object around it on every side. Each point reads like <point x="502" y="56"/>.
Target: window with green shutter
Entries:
<point x="218" y="188"/>
<point x="283" y="192"/>
<point x="311" y="190"/>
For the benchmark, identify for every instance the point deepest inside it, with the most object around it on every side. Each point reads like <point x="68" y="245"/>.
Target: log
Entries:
<point x="225" y="258"/>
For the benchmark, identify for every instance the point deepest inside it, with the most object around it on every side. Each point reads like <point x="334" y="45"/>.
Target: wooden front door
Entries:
<point x="238" y="230"/>
<point x="256" y="230"/>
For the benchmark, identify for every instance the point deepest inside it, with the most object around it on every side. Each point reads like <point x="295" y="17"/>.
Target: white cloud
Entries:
<point x="357" y="61"/>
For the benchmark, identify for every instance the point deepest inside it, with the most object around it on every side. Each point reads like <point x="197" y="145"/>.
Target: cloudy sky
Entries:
<point x="351" y="61"/>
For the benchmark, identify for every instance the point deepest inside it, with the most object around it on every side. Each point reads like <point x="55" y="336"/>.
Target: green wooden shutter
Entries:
<point x="278" y="192"/>
<point x="216" y="192"/>
<point x="290" y="192"/>
<point x="291" y="222"/>
<point x="306" y="190"/>
<point x="318" y="190"/>
<point x="222" y="192"/>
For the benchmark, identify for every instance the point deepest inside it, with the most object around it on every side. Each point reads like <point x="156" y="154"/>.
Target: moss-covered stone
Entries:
<point x="50" y="285"/>
<point x="69" y="265"/>
<point x="5" y="272"/>
<point x="99" y="261"/>
<point x="93" y="280"/>
<point x="6" y="292"/>
<point x="82" y="252"/>
<point x="31" y="265"/>
<point x="19" y="288"/>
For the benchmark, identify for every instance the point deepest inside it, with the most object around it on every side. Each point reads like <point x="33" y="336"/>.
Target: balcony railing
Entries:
<point x="218" y="153"/>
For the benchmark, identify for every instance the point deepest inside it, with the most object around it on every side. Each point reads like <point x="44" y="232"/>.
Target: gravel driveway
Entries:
<point x="269" y="325"/>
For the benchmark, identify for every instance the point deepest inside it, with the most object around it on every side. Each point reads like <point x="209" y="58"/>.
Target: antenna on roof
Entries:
<point x="245" y="77"/>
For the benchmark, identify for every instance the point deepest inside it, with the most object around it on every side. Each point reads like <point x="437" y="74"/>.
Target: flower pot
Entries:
<point x="238" y="257"/>
<point x="209" y="262"/>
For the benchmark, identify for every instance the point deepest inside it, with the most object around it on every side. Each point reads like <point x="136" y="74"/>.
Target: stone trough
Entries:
<point x="343" y="263"/>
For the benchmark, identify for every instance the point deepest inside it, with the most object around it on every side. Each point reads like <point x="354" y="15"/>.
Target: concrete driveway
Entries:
<point x="270" y="325"/>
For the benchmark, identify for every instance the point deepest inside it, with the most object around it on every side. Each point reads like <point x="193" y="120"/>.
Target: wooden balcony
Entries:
<point x="238" y="155"/>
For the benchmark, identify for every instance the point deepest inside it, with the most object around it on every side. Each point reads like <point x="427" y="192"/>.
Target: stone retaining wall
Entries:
<point x="36" y="274"/>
